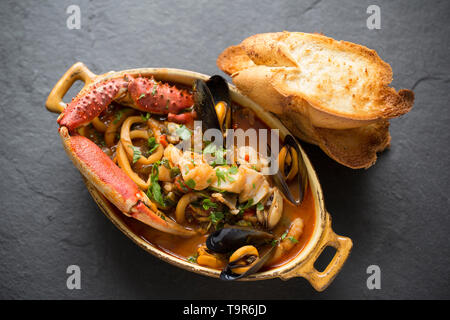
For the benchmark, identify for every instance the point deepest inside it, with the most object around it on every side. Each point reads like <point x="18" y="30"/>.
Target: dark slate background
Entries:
<point x="397" y="212"/>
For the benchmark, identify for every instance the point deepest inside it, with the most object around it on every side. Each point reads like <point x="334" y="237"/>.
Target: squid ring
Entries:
<point x="122" y="159"/>
<point x="184" y="201"/>
<point x="125" y="139"/>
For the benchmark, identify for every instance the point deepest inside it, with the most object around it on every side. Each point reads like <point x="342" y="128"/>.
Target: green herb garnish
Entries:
<point x="118" y="115"/>
<point x="293" y="240"/>
<point x="152" y="144"/>
<point x="165" y="163"/>
<point x="220" y="176"/>
<point x="190" y="183"/>
<point x="247" y="205"/>
<point x="260" y="206"/>
<point x="136" y="153"/>
<point x="154" y="191"/>
<point x="174" y="172"/>
<point x="207" y="204"/>
<point x="216" y="217"/>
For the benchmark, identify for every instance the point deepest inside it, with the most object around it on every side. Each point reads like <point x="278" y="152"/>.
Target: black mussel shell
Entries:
<point x="219" y="89"/>
<point x="204" y="106"/>
<point x="230" y="239"/>
<point x="293" y="192"/>
<point x="228" y="275"/>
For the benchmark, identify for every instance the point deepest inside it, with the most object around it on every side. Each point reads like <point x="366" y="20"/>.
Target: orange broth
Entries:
<point x="184" y="248"/>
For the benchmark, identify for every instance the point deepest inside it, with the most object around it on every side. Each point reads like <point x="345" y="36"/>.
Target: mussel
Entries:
<point x="212" y="103"/>
<point x="291" y="178"/>
<point x="242" y="242"/>
<point x="220" y="91"/>
<point x="231" y="238"/>
<point x="204" y="105"/>
<point x="270" y="214"/>
<point x="234" y="270"/>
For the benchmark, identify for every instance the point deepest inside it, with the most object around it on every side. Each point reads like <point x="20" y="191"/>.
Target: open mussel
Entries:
<point x="230" y="239"/>
<point x="220" y="91"/>
<point x="291" y="177"/>
<point x="204" y="105"/>
<point x="242" y="244"/>
<point x="246" y="261"/>
<point x="212" y="103"/>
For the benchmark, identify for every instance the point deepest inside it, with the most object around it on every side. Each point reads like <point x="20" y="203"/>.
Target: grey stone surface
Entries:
<point x="397" y="212"/>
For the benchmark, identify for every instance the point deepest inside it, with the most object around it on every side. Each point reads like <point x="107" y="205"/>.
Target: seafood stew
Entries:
<point x="189" y="201"/>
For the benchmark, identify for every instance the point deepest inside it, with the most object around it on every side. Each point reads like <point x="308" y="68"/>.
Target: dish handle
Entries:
<point x="76" y="72"/>
<point x="321" y="280"/>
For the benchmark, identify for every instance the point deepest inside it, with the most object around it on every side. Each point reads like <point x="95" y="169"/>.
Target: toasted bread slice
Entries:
<point x="346" y="84"/>
<point x="233" y="59"/>
<point x="356" y="148"/>
<point x="334" y="94"/>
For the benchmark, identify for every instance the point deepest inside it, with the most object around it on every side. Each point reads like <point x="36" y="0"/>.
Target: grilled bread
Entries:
<point x="313" y="83"/>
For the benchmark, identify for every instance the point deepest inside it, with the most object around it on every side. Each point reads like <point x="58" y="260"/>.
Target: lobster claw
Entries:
<point x="115" y="185"/>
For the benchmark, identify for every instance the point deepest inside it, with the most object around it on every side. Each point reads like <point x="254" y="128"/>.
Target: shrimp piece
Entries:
<point x="295" y="232"/>
<point x="193" y="167"/>
<point x="173" y="154"/>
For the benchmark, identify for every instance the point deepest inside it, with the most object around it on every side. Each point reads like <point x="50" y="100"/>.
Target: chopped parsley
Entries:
<point x="190" y="183"/>
<point x="207" y="204"/>
<point x="118" y="115"/>
<point x="260" y="206"/>
<point x="220" y="176"/>
<point x="246" y="205"/>
<point x="152" y="144"/>
<point x="154" y="191"/>
<point x="154" y="89"/>
<point x="174" y="172"/>
<point x="224" y="175"/>
<point x="141" y="96"/>
<point x="232" y="170"/>
<point x="146" y="117"/>
<point x="216" y="217"/>
<point x="165" y="163"/>
<point x="136" y="153"/>
<point x="293" y="240"/>
<point x="283" y="236"/>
